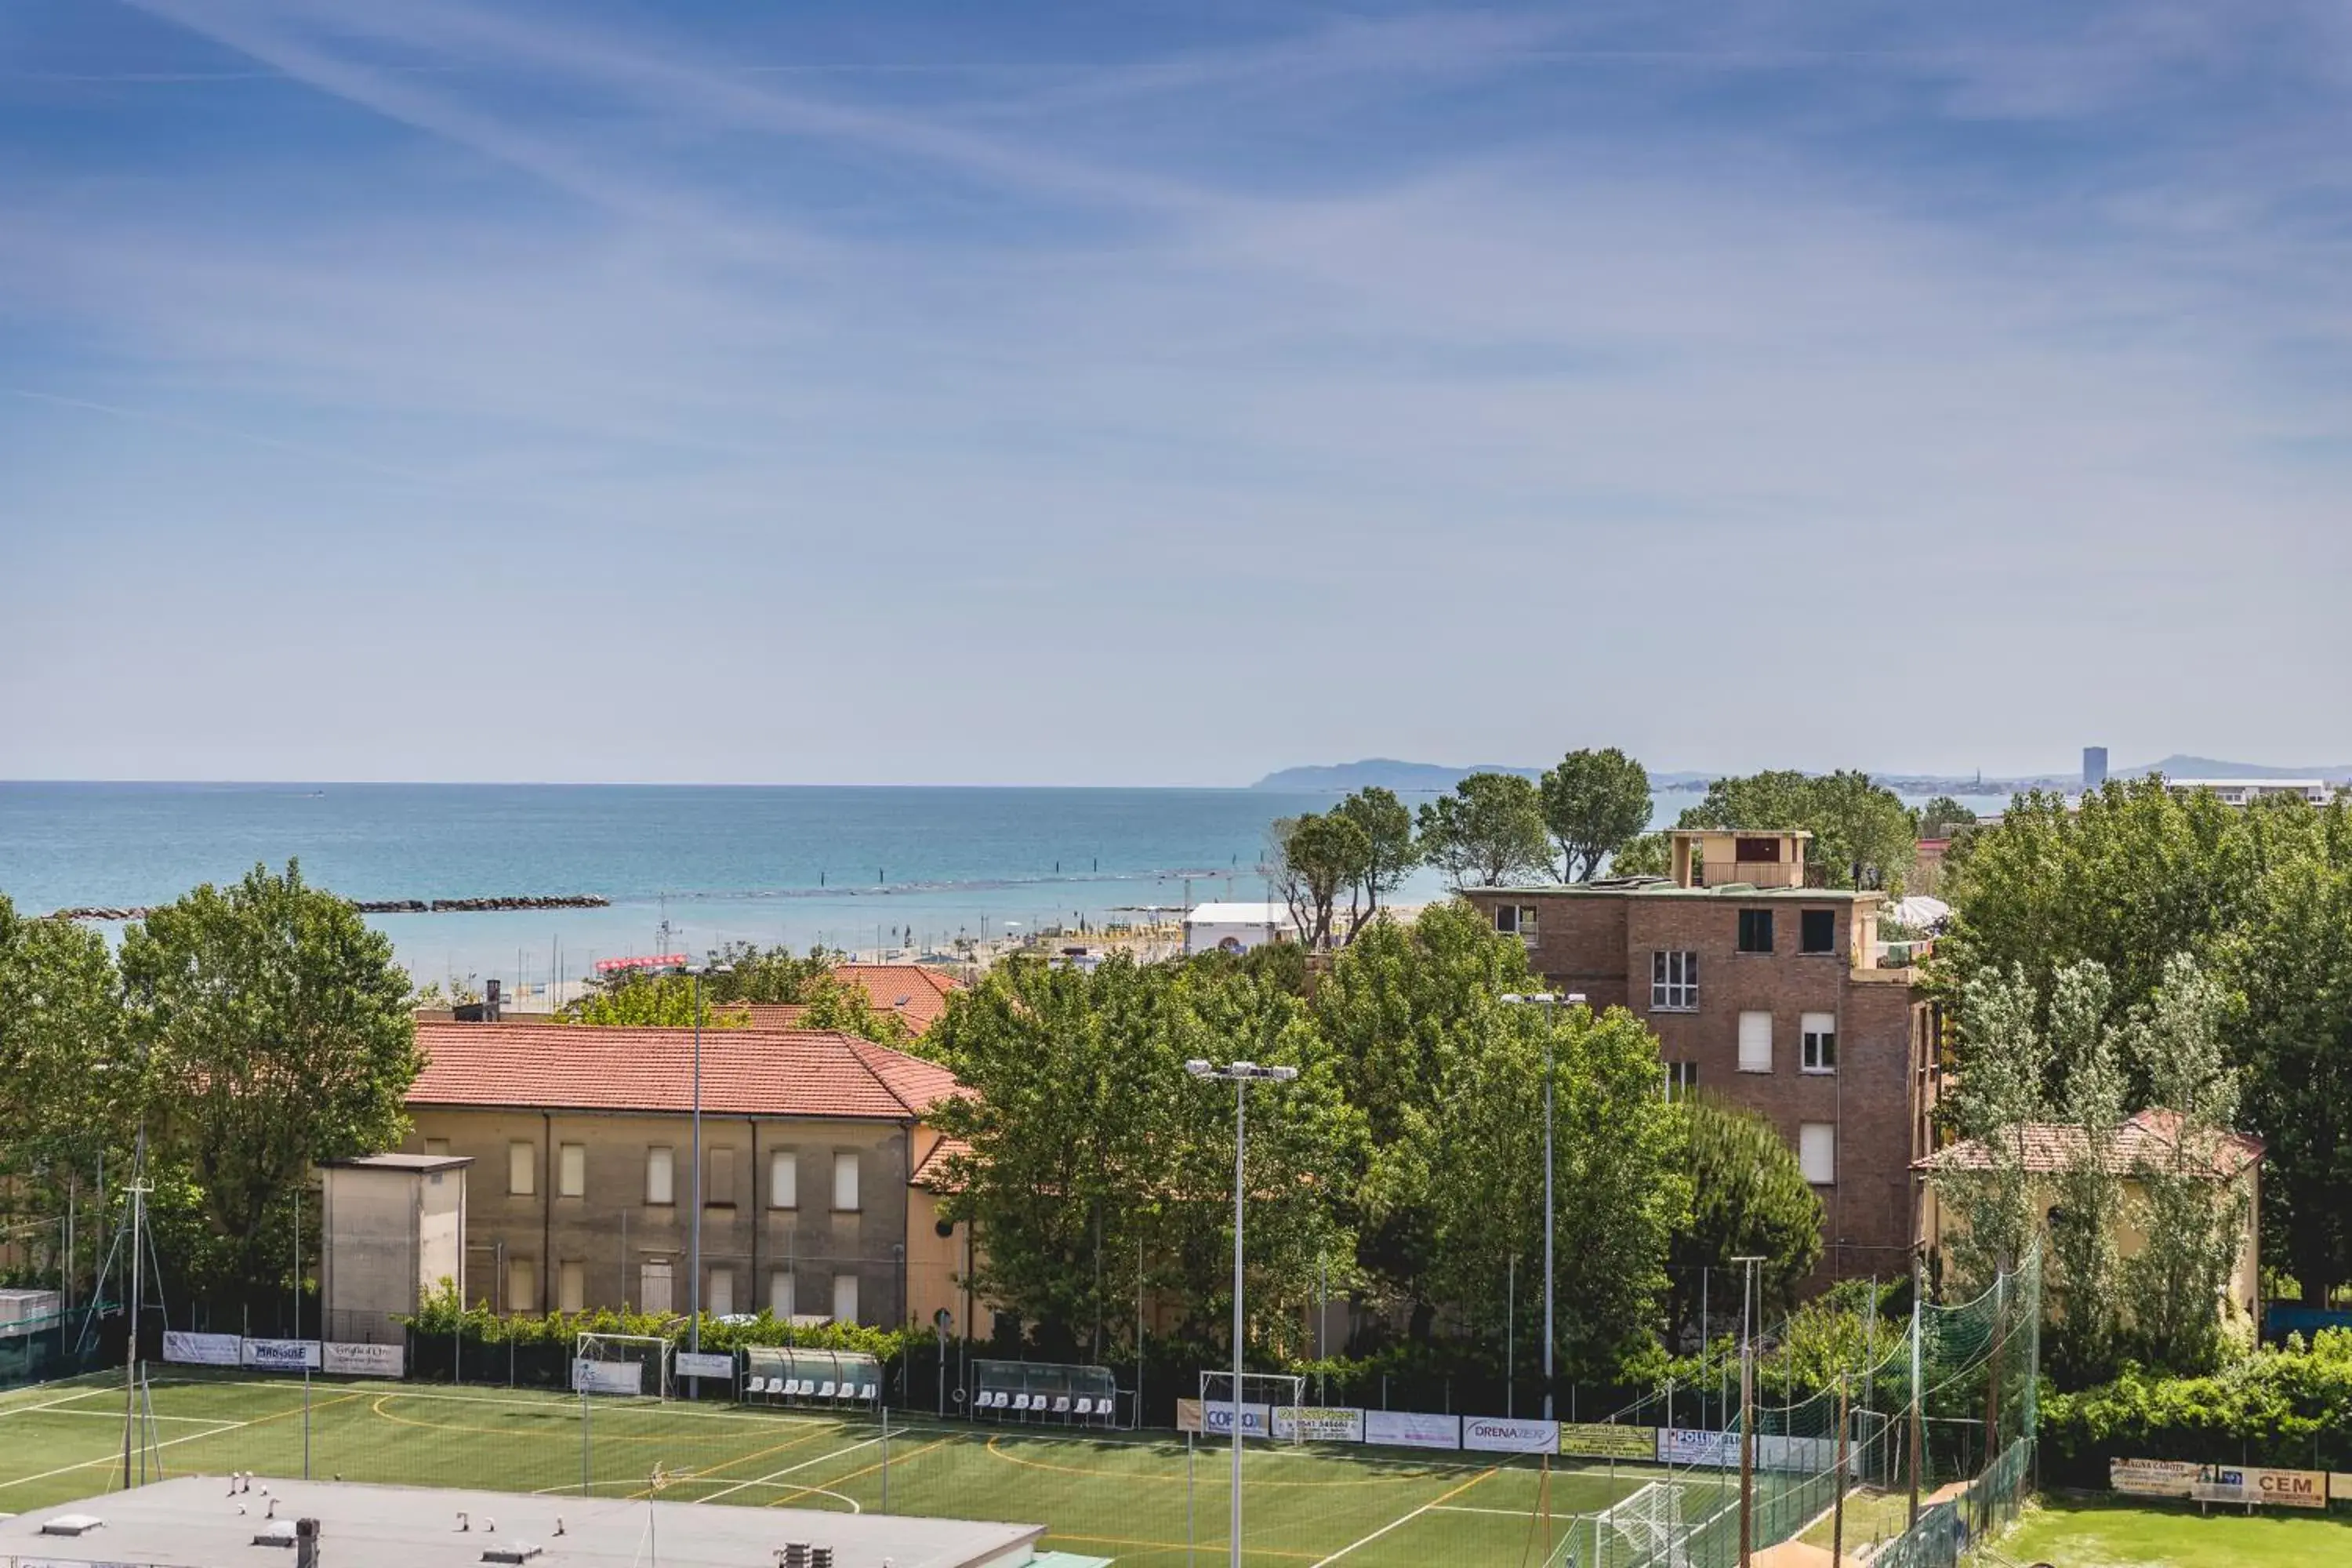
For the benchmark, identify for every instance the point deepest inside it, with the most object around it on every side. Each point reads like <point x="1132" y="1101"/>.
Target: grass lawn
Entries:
<point x="1141" y="1500"/>
<point x="2074" y="1533"/>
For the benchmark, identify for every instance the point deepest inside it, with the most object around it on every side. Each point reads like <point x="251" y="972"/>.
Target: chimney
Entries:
<point x="491" y="1001"/>
<point x="306" y="1543"/>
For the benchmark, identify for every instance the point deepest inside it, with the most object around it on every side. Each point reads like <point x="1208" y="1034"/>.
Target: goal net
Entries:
<point x="630" y="1366"/>
<point x="1267" y="1401"/>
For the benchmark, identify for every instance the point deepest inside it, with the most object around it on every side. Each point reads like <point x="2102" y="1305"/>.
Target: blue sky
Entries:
<point x="1163" y="394"/>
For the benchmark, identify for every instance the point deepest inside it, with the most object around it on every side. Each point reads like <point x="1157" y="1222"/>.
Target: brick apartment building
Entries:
<point x="1768" y="994"/>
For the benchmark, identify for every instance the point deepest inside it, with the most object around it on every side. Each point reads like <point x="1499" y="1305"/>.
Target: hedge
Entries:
<point x="2289" y="1407"/>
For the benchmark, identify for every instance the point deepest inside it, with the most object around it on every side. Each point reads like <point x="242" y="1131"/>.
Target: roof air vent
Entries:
<point x="276" y="1532"/>
<point x="512" y="1551"/>
<point x="71" y="1524"/>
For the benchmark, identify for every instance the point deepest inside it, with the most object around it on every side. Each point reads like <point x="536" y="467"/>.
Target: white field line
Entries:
<point x="116" y="1416"/>
<point x="788" y="1469"/>
<point x="1404" y="1520"/>
<point x="53" y="1404"/>
<point x="114" y="1457"/>
<point x="1505" y="1512"/>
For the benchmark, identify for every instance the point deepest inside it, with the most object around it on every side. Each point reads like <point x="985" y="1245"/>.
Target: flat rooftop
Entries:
<point x="1661" y="888"/>
<point x="193" y="1523"/>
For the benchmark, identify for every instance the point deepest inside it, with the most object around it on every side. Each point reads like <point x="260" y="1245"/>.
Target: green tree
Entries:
<point x="2290" y="958"/>
<point x="1312" y="860"/>
<point x="1863" y="835"/>
<point x="1594" y="803"/>
<point x="2085" y="1220"/>
<point x="1943" y="815"/>
<point x="1390" y="852"/>
<point x="1749" y="1198"/>
<point x="1488" y="832"/>
<point x="632" y="999"/>
<point x="765" y="974"/>
<point x="274" y="1027"/>
<point x="2004" y="1061"/>
<point x="1650" y="855"/>
<point x="847" y="1007"/>
<point x="73" y="1092"/>
<point x="1092" y="1146"/>
<point x="2194" y="1224"/>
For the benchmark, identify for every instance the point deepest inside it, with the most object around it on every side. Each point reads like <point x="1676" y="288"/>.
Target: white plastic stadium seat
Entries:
<point x="867" y="1394"/>
<point x="825" y="1391"/>
<point x="1062" y="1405"/>
<point x="1086" y="1407"/>
<point x="848" y="1390"/>
<point x="756" y="1386"/>
<point x="797" y="1387"/>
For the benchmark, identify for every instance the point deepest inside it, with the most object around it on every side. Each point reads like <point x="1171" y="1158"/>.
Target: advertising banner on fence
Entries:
<point x="282" y="1355"/>
<point x="608" y="1376"/>
<point x="1505" y="1435"/>
<point x="2154" y="1477"/>
<point x="1696" y="1446"/>
<point x="363" y="1360"/>
<point x="687" y="1364"/>
<point x="1412" y="1429"/>
<point x="1215" y="1419"/>
<point x="1603" y="1440"/>
<point x="201" y="1349"/>
<point x="2268" y="1488"/>
<point x="1318" y="1423"/>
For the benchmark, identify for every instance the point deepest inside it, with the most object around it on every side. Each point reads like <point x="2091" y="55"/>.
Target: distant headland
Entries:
<point x="1436" y="778"/>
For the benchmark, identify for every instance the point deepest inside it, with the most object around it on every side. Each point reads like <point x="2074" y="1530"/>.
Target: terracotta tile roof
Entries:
<point x="745" y="1072"/>
<point x="932" y="1170"/>
<point x="2048" y="1147"/>
<point x="916" y="994"/>
<point x="774" y="1014"/>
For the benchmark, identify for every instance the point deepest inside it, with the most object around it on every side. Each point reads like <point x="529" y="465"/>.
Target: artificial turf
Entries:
<point x="1139" y="1499"/>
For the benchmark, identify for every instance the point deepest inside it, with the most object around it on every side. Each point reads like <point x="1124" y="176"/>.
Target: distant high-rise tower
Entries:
<point x="2095" y="767"/>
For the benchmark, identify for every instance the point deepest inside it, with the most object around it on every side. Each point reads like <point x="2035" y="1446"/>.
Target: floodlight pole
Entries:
<point x="1747" y="1411"/>
<point x="693" y="1237"/>
<point x="1547" y="1001"/>
<point x="1239" y="1075"/>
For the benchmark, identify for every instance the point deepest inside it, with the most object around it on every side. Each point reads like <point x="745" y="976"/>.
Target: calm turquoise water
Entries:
<point x="850" y="866"/>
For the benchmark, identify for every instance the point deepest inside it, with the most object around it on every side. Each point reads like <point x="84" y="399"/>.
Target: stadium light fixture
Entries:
<point x="1241" y="1075"/>
<point x="1546" y="1000"/>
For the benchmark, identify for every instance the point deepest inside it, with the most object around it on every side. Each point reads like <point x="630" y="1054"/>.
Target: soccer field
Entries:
<point x="1141" y="1499"/>
<point x="2080" y="1534"/>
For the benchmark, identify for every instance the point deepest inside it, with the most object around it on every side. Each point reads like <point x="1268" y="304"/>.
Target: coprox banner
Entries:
<point x="1318" y="1423"/>
<point x="202" y="1350"/>
<point x="1215" y="1417"/>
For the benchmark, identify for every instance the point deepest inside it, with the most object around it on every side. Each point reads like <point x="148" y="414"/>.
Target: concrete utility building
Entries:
<point x="1236" y="927"/>
<point x="819" y="1179"/>
<point x="192" y="1522"/>
<point x="1770" y="995"/>
<point x="395" y="1228"/>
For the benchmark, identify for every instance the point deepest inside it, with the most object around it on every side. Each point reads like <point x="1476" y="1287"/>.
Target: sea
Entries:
<point x="687" y="869"/>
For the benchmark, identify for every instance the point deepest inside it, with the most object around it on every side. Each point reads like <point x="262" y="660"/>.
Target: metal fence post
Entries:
<point x="886" y="1458"/>
<point x="584" y="1490"/>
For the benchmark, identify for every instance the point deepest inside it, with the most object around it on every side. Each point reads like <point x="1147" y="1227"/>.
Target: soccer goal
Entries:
<point x="1262" y="1393"/>
<point x="632" y="1367"/>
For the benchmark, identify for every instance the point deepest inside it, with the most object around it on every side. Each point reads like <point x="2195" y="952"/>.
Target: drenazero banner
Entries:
<point x="1318" y="1423"/>
<point x="363" y="1360"/>
<point x="282" y="1355"/>
<point x="202" y="1350"/>
<point x="1606" y="1440"/>
<point x="1412" y="1429"/>
<point x="1505" y="1435"/>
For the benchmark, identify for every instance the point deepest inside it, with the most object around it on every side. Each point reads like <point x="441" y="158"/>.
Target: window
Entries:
<point x="437" y="1145"/>
<point x="783" y="1180"/>
<point x="522" y="1285"/>
<point x="1755" y="931"/>
<point x="1753" y="849"/>
<point x="845" y="1182"/>
<point x="572" y="1287"/>
<point x="661" y="1179"/>
<point x="1673" y="982"/>
<point x="780" y="1294"/>
<point x="1756" y="1042"/>
<point x="1817" y="1152"/>
<point x="718" y="1183"/>
<point x="654" y="1293"/>
<point x="845" y="1298"/>
<point x="522" y="1167"/>
<point x="1516" y="919"/>
<point x="571" y="1169"/>
<point x="1682" y="1079"/>
<point x="1821" y="1042"/>
<point x="719" y="1300"/>
<point x="1817" y="931"/>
